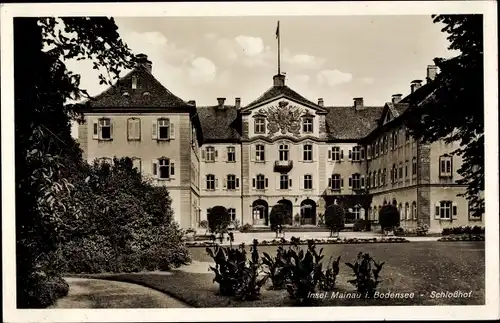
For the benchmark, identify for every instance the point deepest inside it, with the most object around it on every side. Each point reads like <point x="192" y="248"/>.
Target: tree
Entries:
<point x="334" y="218"/>
<point x="45" y="152"/>
<point x="455" y="109"/>
<point x="389" y="217"/>
<point x="280" y="215"/>
<point x="218" y="220"/>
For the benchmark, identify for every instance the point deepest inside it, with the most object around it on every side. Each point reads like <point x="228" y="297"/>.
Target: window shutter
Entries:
<point x="363" y="181"/>
<point x="216" y="183"/>
<point x="111" y="129"/>
<point x="330" y="182"/>
<point x="130" y="129"/>
<point x="301" y="182"/>
<point x="369" y="152"/>
<point x="205" y="186"/>
<point x="436" y="214"/>
<point x="154" y="129"/>
<point x="237" y="182"/>
<point x="203" y="153"/>
<point x="329" y="154"/>
<point x="172" y="168"/>
<point x="235" y="155"/>
<point x="216" y="154"/>
<point x="95" y="127"/>
<point x="342" y="154"/>
<point x="172" y="130"/>
<point x="253" y="152"/>
<point x="350" y="155"/>
<point x="341" y="183"/>
<point x="454" y="214"/>
<point x="277" y="182"/>
<point x="253" y="182"/>
<point x="155" y="167"/>
<point x="290" y="182"/>
<point x="225" y="182"/>
<point x="350" y="181"/>
<point x="362" y="153"/>
<point x="266" y="182"/>
<point x="226" y="155"/>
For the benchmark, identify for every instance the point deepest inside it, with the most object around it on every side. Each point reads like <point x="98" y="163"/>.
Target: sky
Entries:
<point x="333" y="57"/>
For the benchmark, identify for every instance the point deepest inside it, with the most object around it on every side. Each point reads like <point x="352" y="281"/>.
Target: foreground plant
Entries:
<point x="329" y="276"/>
<point x="275" y="268"/>
<point x="367" y="272"/>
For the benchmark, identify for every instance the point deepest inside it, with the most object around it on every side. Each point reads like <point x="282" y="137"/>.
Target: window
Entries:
<point x="232" y="182"/>
<point x="335" y="154"/>
<point x="335" y="182"/>
<point x="406" y="169"/>
<point x="414" y="167"/>
<point x="445" y="210"/>
<point x="285" y="182"/>
<point x="210" y="182"/>
<point x="105" y="160"/>
<point x="231" y="154"/>
<point x="376" y="148"/>
<point x="283" y="152"/>
<point x="232" y="213"/>
<point x="260" y="182"/>
<point x="384" y="175"/>
<point x="136" y="163"/>
<point x="260" y="125"/>
<point x="308" y="182"/>
<point x="369" y="152"/>
<point x="307" y="125"/>
<point x="356" y="212"/>
<point x="103" y="129"/>
<point x="163" y="128"/>
<point x="210" y="154"/>
<point x="376" y="179"/>
<point x="356" y="153"/>
<point x="134" y="82"/>
<point x="369" y="180"/>
<point x="394" y="174"/>
<point x="407" y="135"/>
<point x="259" y="153"/>
<point x="164" y="168"/>
<point x="414" y="210"/>
<point x="445" y="169"/>
<point x="134" y="129"/>
<point x="308" y="153"/>
<point x="357" y="182"/>
<point x="407" y="211"/>
<point x="400" y="171"/>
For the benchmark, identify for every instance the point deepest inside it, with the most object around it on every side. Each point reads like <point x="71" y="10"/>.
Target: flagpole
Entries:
<point x="279" y="49"/>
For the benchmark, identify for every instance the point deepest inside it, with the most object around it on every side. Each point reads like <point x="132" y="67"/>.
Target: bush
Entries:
<point x="389" y="217"/>
<point x="463" y="230"/>
<point x="275" y="268"/>
<point x="334" y="218"/>
<point x="218" y="220"/>
<point x="329" y="277"/>
<point x="279" y="216"/>
<point x="45" y="290"/>
<point x="360" y="225"/>
<point x="321" y="219"/>
<point x="245" y="228"/>
<point x="366" y="271"/>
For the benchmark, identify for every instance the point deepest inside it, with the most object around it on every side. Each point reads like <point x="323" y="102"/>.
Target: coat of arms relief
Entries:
<point x="284" y="117"/>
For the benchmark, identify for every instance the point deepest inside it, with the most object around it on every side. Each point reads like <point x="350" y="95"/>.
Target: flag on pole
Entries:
<point x="278" y="30"/>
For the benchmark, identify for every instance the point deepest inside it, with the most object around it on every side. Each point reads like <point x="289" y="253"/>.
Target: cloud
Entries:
<point x="202" y="70"/>
<point x="251" y="46"/>
<point x="333" y="77"/>
<point x="303" y="60"/>
<point x="299" y="79"/>
<point x="367" y="80"/>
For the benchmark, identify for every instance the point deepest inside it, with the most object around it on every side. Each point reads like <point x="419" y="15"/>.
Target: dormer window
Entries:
<point x="307" y="125"/>
<point x="134" y="82"/>
<point x="147" y="93"/>
<point x="126" y="94"/>
<point x="260" y="125"/>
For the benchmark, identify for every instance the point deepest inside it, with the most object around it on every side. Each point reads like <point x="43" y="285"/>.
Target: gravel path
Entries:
<point x="97" y="293"/>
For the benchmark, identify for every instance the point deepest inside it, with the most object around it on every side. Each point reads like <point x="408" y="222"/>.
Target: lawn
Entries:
<point x="418" y="267"/>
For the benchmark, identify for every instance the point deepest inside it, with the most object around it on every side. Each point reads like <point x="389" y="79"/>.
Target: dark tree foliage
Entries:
<point x="389" y="217"/>
<point x="45" y="152"/>
<point x="280" y="215"/>
<point x="218" y="219"/>
<point x="455" y="110"/>
<point x="334" y="218"/>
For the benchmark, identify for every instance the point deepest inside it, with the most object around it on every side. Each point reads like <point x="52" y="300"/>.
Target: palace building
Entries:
<point x="280" y="148"/>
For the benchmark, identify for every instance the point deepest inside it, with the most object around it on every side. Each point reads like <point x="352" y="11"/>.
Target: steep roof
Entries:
<point x="281" y="90"/>
<point x="343" y="123"/>
<point x="123" y="96"/>
<point x="220" y="124"/>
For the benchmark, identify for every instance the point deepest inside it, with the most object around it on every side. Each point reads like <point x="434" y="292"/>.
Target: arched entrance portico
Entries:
<point x="260" y="212"/>
<point x="308" y="211"/>
<point x="288" y="209"/>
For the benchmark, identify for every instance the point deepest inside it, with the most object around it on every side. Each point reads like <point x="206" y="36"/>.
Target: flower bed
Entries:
<point x="463" y="237"/>
<point x="276" y="242"/>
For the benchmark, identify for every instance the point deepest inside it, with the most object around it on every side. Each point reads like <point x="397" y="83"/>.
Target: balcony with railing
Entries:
<point x="283" y="166"/>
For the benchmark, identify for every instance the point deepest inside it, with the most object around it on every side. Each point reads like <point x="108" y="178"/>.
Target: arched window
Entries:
<point x="407" y="211"/>
<point x="414" y="210"/>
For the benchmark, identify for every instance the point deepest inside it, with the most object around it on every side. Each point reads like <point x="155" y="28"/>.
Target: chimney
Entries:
<point x="221" y="102"/>
<point x="396" y="98"/>
<point x="431" y="73"/>
<point x="237" y="103"/>
<point x="321" y="103"/>
<point x="358" y="103"/>
<point x="279" y="80"/>
<point x="415" y="84"/>
<point x="142" y="60"/>
<point x="192" y="102"/>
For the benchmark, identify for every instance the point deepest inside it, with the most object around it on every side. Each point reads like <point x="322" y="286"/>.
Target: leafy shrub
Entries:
<point x="218" y="220"/>
<point x="47" y="290"/>
<point x="235" y="224"/>
<point x="360" y="225"/>
<point x="321" y="219"/>
<point x="334" y="218"/>
<point x="422" y="230"/>
<point x="275" y="268"/>
<point x="203" y="224"/>
<point x="245" y="228"/>
<point x="329" y="277"/>
<point x="366" y="271"/>
<point x="463" y="230"/>
<point x="280" y="215"/>
<point x="389" y="217"/>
